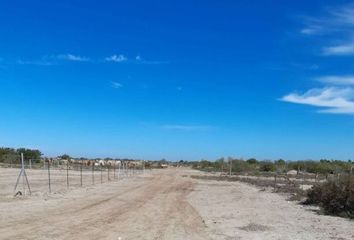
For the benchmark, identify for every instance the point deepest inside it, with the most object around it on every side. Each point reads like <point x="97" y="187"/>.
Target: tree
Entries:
<point x="65" y="157"/>
<point x="252" y="161"/>
<point x="280" y="162"/>
<point x="267" y="166"/>
<point x="29" y="153"/>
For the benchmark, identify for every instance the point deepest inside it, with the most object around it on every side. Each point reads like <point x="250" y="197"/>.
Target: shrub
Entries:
<point x="336" y="197"/>
<point x="267" y="166"/>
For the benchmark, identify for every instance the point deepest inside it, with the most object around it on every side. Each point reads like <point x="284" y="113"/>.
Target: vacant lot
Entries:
<point x="162" y="204"/>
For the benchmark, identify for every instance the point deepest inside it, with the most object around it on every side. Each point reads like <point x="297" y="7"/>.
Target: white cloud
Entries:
<point x="338" y="23"/>
<point x="42" y="62"/>
<point x="186" y="127"/>
<point x="338" y="97"/>
<point x="340" y="50"/>
<point x="71" y="57"/>
<point x="331" y="99"/>
<point x="116" y="58"/>
<point x="345" y="14"/>
<point x="337" y="80"/>
<point x="335" y="19"/>
<point x="116" y="85"/>
<point x="140" y="60"/>
<point x="49" y="60"/>
<point x="312" y="30"/>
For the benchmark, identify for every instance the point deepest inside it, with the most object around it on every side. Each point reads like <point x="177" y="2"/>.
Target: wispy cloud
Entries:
<point x="330" y="99"/>
<point x="140" y="60"/>
<point x="40" y="62"/>
<point x="50" y="60"/>
<point x="337" y="80"/>
<point x="338" y="95"/>
<point x="333" y="20"/>
<point x="116" y="85"/>
<point x="71" y="57"/>
<point x="56" y="59"/>
<point x="339" y="50"/>
<point x="116" y="58"/>
<point x="338" y="24"/>
<point x="312" y="29"/>
<point x="186" y="127"/>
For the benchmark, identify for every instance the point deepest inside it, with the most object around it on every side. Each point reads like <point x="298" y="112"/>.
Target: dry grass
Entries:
<point x="282" y="185"/>
<point x="336" y="197"/>
<point x="253" y="227"/>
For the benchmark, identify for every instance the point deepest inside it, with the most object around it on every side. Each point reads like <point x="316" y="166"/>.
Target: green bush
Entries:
<point x="267" y="166"/>
<point x="336" y="196"/>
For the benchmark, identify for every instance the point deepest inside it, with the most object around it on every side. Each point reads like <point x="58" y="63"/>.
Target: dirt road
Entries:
<point x="165" y="204"/>
<point x="145" y="207"/>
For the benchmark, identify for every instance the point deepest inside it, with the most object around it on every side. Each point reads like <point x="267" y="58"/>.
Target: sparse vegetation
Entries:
<point x="254" y="166"/>
<point x="11" y="155"/>
<point x="333" y="189"/>
<point x="335" y="196"/>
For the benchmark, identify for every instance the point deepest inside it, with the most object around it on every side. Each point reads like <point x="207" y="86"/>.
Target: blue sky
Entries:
<point x="178" y="79"/>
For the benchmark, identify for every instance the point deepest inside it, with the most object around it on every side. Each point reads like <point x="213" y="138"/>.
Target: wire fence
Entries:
<point x="59" y="176"/>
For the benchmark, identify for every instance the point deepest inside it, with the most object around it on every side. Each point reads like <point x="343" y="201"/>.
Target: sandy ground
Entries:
<point x="162" y="204"/>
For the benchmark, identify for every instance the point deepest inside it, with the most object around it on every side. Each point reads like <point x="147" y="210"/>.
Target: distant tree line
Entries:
<point x="323" y="166"/>
<point x="12" y="155"/>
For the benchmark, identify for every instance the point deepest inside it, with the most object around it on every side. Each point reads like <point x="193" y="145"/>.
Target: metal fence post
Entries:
<point x="81" y="173"/>
<point x="101" y="173"/>
<point x="50" y="188"/>
<point x="108" y="173"/>
<point x="114" y="171"/>
<point x="93" y="173"/>
<point x="67" y="174"/>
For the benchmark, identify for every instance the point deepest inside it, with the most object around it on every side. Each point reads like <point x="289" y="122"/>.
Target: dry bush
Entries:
<point x="293" y="188"/>
<point x="336" y="196"/>
<point x="253" y="227"/>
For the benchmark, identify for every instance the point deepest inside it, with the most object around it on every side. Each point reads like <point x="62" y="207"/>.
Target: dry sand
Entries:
<point x="162" y="204"/>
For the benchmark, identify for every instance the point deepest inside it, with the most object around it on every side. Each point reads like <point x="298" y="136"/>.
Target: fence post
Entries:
<point x="114" y="171"/>
<point x="303" y="180"/>
<point x="119" y="166"/>
<point x="101" y="172"/>
<point x="275" y="182"/>
<point x="126" y="170"/>
<point x="50" y="189"/>
<point x="108" y="179"/>
<point x="93" y="173"/>
<point x="349" y="184"/>
<point x="67" y="174"/>
<point x="81" y="172"/>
